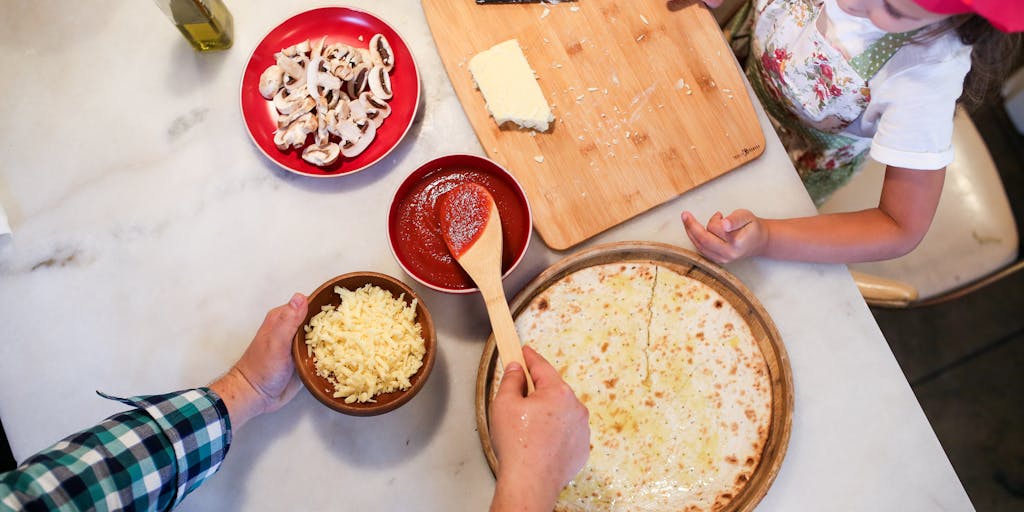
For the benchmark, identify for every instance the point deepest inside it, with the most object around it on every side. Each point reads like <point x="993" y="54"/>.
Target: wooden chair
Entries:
<point x="973" y="240"/>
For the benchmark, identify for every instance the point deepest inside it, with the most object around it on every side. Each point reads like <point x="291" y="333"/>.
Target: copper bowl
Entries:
<point x="320" y="387"/>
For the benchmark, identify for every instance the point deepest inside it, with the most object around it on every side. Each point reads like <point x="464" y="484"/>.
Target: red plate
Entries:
<point x="339" y="24"/>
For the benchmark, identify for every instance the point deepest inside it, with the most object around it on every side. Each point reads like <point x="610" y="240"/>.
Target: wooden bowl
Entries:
<point x="320" y="387"/>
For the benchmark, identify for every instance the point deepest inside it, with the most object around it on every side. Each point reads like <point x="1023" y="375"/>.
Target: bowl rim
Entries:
<point x="459" y="291"/>
<point x="421" y="376"/>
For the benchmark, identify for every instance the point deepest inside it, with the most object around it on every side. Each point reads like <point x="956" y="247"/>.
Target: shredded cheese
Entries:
<point x="368" y="345"/>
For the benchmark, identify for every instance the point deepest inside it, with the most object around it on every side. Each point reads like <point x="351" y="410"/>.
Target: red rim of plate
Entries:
<point x="339" y="24"/>
<point x="439" y="162"/>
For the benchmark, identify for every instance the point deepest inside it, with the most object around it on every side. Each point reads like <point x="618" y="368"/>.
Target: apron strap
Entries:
<point x="879" y="52"/>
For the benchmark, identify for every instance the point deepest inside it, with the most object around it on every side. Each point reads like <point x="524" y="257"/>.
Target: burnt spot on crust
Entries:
<point x="604" y="347"/>
<point x="718" y="304"/>
<point x="741" y="479"/>
<point x="610" y="383"/>
<point x="750" y="414"/>
<point x="649" y="402"/>
<point x="749" y="462"/>
<point x="721" y="501"/>
<point x="543" y="305"/>
<point x="731" y="459"/>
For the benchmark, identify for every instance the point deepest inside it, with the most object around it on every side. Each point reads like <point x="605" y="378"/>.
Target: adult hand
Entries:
<point x="713" y="4"/>
<point x="264" y="378"/>
<point x="740" y="235"/>
<point x="542" y="441"/>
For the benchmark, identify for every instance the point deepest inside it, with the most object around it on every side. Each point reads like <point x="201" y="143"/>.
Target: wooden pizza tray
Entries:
<point x="696" y="267"/>
<point x="649" y="102"/>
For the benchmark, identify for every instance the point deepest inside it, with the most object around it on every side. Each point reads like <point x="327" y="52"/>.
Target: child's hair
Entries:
<point x="992" y="58"/>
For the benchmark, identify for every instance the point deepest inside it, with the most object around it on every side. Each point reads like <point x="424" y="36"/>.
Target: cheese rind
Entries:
<point x="509" y="87"/>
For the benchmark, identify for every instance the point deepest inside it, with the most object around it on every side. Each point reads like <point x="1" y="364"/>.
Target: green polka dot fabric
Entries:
<point x="878" y="53"/>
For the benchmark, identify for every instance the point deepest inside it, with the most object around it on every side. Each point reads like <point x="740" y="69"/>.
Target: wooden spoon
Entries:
<point x="471" y="227"/>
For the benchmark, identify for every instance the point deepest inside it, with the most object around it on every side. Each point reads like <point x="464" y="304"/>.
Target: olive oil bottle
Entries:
<point x="206" y="24"/>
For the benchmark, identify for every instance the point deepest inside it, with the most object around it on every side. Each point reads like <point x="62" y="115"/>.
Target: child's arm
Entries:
<point x="905" y="210"/>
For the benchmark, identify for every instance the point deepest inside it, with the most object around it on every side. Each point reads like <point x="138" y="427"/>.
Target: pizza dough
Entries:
<point x="678" y="390"/>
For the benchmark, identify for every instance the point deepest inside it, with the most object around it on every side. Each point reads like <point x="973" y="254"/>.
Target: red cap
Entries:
<point x="1006" y="15"/>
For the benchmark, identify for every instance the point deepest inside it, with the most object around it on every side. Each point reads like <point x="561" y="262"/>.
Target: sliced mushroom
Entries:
<point x="380" y="52"/>
<point x="376" y="110"/>
<point x="365" y="57"/>
<point x="295" y="134"/>
<point x="334" y="97"/>
<point x="348" y="132"/>
<point x="321" y="155"/>
<point x="286" y="103"/>
<point x="292" y="65"/>
<point x="271" y="80"/>
<point x="316" y="78"/>
<point x="296" y="49"/>
<point x="295" y="86"/>
<point x="337" y="51"/>
<point x="380" y="83"/>
<point x="322" y="137"/>
<point x="357" y="84"/>
<point x="316" y="49"/>
<point x="307" y="104"/>
<point x="357" y="110"/>
<point x="354" y="148"/>
<point x="336" y="116"/>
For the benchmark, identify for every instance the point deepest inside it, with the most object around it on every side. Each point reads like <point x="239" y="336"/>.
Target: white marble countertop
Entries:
<point x="150" y="237"/>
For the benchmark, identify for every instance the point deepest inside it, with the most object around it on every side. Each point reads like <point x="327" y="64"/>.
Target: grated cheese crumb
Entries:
<point x="368" y="345"/>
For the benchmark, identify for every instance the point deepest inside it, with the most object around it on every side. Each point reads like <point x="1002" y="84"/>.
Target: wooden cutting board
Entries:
<point x="648" y="100"/>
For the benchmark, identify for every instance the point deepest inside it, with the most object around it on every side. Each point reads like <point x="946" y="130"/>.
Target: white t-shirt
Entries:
<point x="913" y="96"/>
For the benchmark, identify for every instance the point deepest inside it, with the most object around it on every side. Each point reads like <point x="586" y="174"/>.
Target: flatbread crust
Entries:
<point x="677" y="387"/>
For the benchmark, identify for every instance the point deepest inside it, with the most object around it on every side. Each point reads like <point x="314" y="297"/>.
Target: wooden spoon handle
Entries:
<point x="505" y="336"/>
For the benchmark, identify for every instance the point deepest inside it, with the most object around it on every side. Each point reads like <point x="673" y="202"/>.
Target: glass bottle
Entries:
<point x="206" y="24"/>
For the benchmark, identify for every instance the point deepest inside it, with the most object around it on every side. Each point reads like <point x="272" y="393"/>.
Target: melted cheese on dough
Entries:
<point x="678" y="390"/>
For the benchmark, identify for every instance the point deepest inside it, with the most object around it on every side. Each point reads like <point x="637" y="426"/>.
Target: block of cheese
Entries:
<point x="510" y="87"/>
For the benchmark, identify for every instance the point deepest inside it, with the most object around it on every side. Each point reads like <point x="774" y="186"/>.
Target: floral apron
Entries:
<point x="812" y="91"/>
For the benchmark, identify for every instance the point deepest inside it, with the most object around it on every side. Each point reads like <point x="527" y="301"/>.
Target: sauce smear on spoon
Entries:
<point x="462" y="213"/>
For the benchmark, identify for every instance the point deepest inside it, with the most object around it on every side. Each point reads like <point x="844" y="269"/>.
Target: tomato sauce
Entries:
<point x="463" y="212"/>
<point x="416" y="230"/>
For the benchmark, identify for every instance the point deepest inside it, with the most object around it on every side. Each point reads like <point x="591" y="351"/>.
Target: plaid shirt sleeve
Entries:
<point x="148" y="458"/>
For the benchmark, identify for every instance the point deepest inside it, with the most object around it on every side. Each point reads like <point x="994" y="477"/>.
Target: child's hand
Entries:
<point x="713" y="3"/>
<point x="738" y="236"/>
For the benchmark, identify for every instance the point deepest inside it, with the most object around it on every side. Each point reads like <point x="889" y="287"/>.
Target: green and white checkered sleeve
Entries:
<point x="148" y="458"/>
